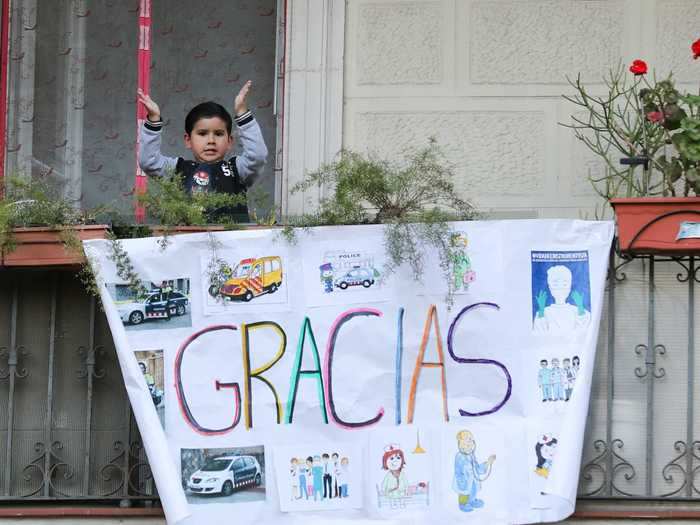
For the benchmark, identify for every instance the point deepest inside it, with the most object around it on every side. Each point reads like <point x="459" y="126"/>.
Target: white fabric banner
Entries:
<point x="305" y="384"/>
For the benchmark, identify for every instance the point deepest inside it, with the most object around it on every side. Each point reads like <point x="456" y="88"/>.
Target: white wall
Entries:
<point x="485" y="77"/>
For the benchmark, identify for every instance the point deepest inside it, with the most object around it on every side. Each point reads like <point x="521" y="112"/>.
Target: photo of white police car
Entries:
<point x="224" y="474"/>
<point x="156" y="305"/>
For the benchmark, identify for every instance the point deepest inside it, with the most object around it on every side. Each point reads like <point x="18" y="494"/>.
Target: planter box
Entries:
<point x="650" y="225"/>
<point x="42" y="246"/>
<point x="158" y="231"/>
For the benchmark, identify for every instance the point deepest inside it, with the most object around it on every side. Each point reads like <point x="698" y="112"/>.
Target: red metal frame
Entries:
<point x="144" y="83"/>
<point x="4" y="55"/>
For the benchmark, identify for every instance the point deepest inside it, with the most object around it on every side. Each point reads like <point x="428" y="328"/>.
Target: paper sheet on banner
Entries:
<point x="306" y="381"/>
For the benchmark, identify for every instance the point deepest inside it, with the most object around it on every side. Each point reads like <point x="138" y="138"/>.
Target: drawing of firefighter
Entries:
<point x="327" y="277"/>
<point x="461" y="263"/>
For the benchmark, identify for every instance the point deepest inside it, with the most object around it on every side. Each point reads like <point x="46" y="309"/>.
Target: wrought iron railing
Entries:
<point x="642" y="441"/>
<point x="67" y="432"/>
<point x="66" y="428"/>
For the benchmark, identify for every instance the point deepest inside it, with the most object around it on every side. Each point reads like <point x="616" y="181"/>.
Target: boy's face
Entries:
<point x="209" y="140"/>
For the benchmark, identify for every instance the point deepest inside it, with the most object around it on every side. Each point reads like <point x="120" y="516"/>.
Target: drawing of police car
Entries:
<point x="355" y="277"/>
<point x="156" y="305"/>
<point x="223" y="474"/>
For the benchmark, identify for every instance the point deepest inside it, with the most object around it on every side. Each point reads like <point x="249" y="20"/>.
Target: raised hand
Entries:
<point x="541" y="299"/>
<point x="240" y="105"/>
<point x="150" y="105"/>
<point x="577" y="297"/>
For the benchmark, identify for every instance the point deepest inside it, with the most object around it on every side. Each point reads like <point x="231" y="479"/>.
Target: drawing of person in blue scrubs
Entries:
<point x="469" y="473"/>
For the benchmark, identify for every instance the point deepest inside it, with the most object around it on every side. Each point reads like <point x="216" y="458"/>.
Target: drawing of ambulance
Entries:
<point x="251" y="278"/>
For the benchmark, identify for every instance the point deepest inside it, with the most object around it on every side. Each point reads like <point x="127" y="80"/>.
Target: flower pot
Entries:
<point x="158" y="231"/>
<point x="43" y="246"/>
<point x="650" y="225"/>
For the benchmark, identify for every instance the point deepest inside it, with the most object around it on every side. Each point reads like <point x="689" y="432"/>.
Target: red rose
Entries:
<point x="655" y="116"/>
<point x="696" y="48"/>
<point x="638" y="67"/>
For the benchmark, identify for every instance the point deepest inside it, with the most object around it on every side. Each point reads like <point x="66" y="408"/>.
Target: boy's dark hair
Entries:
<point x="207" y="110"/>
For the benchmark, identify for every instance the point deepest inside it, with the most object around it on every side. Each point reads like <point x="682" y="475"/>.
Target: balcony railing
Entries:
<point x="66" y="430"/>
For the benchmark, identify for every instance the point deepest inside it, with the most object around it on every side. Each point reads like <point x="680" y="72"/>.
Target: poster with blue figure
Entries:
<point x="561" y="292"/>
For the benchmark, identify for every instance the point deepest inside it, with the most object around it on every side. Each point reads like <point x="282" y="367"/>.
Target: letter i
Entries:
<point x="399" y="358"/>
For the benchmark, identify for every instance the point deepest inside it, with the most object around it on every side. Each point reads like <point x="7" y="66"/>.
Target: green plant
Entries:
<point x="646" y="131"/>
<point x="167" y="202"/>
<point x="36" y="202"/>
<point x="169" y="205"/>
<point x="260" y="207"/>
<point x="125" y="268"/>
<point x="414" y="199"/>
<point x="218" y="270"/>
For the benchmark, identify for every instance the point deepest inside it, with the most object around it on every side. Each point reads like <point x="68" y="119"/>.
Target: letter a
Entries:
<point x="297" y="373"/>
<point x="420" y="364"/>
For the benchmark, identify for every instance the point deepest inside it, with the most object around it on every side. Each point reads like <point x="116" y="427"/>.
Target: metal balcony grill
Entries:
<point x="643" y="437"/>
<point x="67" y="433"/>
<point x="66" y="428"/>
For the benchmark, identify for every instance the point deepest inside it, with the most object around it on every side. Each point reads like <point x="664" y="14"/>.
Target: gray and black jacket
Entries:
<point x="233" y="176"/>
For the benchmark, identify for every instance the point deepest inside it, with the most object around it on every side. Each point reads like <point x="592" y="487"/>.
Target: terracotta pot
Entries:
<point x="42" y="246"/>
<point x="650" y="225"/>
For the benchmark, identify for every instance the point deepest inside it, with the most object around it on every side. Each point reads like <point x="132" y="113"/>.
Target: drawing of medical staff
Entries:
<point x="545" y="449"/>
<point x="301" y="470"/>
<point x="327" y="277"/>
<point x="335" y="458"/>
<point x="469" y="473"/>
<point x="557" y="381"/>
<point x="544" y="380"/>
<point x="344" y="477"/>
<point x="317" y="473"/>
<point x="560" y="317"/>
<point x="575" y="366"/>
<point x="294" y="475"/>
<point x="461" y="264"/>
<point x="394" y="484"/>
<point x="309" y="477"/>
<point x="570" y="376"/>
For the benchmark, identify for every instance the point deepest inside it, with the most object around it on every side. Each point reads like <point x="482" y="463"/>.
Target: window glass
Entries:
<point x="73" y="78"/>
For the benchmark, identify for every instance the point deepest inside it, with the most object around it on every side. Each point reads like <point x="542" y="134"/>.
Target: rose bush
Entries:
<point x="646" y="131"/>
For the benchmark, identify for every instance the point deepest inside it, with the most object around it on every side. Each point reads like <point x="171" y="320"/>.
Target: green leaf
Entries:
<point x="691" y="100"/>
<point x="692" y="175"/>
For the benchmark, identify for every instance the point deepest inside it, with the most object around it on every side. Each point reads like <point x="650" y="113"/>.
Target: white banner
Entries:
<point x="308" y="383"/>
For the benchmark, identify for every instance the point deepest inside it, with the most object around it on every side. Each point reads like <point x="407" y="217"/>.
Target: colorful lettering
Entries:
<point x="249" y="374"/>
<point x="182" y="399"/>
<point x="450" y="349"/>
<point x="314" y="373"/>
<point x="420" y="364"/>
<point x="328" y="367"/>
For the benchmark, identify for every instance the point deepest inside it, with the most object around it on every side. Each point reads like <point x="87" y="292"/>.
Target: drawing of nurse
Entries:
<point x="393" y="461"/>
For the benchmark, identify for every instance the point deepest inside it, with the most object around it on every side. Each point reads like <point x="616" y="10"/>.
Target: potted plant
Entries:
<point x="38" y="228"/>
<point x="648" y="134"/>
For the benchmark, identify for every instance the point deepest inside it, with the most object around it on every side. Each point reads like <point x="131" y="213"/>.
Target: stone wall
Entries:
<point x="485" y="77"/>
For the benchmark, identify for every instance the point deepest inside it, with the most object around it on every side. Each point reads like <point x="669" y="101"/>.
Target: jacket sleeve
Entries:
<point x="252" y="159"/>
<point x="151" y="160"/>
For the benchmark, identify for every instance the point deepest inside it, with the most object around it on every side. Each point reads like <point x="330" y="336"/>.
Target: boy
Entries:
<point x="208" y="135"/>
